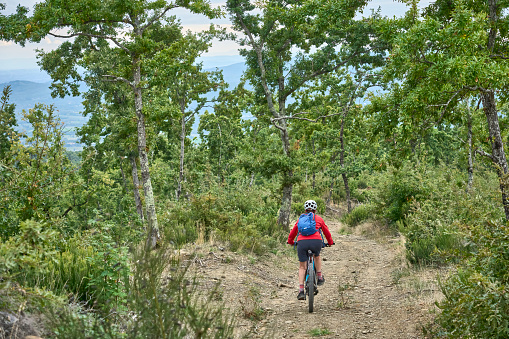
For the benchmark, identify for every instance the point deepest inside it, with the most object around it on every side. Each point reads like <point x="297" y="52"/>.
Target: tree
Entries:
<point x="458" y="50"/>
<point x="221" y="131"/>
<point x="35" y="173"/>
<point x="278" y="52"/>
<point x="7" y="123"/>
<point x="332" y="98"/>
<point x="130" y="32"/>
<point x="185" y="83"/>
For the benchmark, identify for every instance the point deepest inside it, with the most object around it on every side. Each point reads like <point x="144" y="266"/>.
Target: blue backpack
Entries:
<point x="307" y="224"/>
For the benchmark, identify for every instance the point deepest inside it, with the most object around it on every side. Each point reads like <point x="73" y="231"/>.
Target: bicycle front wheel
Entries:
<point x="311" y="287"/>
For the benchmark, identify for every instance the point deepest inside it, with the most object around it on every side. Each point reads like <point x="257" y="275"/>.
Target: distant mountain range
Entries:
<point x="31" y="86"/>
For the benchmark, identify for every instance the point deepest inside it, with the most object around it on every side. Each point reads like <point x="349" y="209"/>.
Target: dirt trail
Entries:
<point x="363" y="296"/>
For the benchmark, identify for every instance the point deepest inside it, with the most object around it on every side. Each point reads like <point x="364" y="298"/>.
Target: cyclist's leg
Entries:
<point x="303" y="257"/>
<point x="318" y="263"/>
<point x="302" y="272"/>
<point x="317" y="246"/>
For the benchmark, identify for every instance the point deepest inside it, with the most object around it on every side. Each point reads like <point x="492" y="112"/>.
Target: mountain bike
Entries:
<point x="311" y="287"/>
<point x="311" y="283"/>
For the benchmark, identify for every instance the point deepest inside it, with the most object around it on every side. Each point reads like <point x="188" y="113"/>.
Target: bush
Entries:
<point x="90" y="266"/>
<point x="431" y="226"/>
<point x="244" y="219"/>
<point x="476" y="303"/>
<point x="359" y="214"/>
<point x="170" y="306"/>
<point x="298" y="205"/>
<point x="402" y="189"/>
<point x="30" y="251"/>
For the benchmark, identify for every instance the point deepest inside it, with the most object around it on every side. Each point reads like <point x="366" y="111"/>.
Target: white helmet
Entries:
<point x="310" y="205"/>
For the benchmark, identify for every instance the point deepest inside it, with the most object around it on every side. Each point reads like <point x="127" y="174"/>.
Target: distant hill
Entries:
<point x="31" y="86"/>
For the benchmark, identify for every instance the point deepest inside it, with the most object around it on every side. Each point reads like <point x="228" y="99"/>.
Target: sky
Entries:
<point x="13" y="57"/>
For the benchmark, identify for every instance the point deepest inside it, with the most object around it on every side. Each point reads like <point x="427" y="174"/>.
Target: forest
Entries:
<point x="398" y="121"/>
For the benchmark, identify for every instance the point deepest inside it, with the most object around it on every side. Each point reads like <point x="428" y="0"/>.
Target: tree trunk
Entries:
<point x="153" y="229"/>
<point x="342" y="164"/>
<point x="136" y="187"/>
<point x="251" y="182"/>
<point x="470" y="157"/>
<point x="490" y="110"/>
<point x="347" y="190"/>
<point x="182" y="149"/>
<point x="314" y="172"/>
<point x="286" y="202"/>
<point x="329" y="197"/>
<point x="497" y="146"/>
<point x="124" y="182"/>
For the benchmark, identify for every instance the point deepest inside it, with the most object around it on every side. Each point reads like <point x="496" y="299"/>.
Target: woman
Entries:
<point x="311" y="242"/>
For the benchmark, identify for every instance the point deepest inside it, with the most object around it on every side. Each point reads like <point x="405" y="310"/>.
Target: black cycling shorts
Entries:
<point x="315" y="245"/>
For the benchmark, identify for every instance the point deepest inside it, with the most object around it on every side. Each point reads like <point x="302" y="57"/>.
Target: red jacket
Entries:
<point x="320" y="225"/>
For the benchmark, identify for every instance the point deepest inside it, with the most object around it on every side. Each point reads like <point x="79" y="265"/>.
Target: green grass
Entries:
<point x="317" y="332"/>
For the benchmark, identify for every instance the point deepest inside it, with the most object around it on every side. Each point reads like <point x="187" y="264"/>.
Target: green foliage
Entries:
<point x="243" y="218"/>
<point x="476" y="299"/>
<point x="91" y="266"/>
<point x="7" y="123"/>
<point x="299" y="200"/>
<point x="359" y="214"/>
<point x="162" y="303"/>
<point x="400" y="190"/>
<point x="35" y="174"/>
<point x="33" y="250"/>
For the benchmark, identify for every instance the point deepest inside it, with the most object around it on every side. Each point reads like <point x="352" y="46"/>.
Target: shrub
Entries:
<point x="91" y="266"/>
<point x="245" y="219"/>
<point x="30" y="251"/>
<point x="402" y="188"/>
<point x="476" y="303"/>
<point x="359" y="214"/>
<point x="162" y="301"/>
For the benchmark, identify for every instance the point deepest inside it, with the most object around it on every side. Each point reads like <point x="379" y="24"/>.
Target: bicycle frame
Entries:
<point x="311" y="282"/>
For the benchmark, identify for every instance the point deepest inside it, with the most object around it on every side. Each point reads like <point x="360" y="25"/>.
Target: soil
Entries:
<point x="369" y="291"/>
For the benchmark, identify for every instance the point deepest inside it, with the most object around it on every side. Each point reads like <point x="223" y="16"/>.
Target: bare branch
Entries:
<point x="499" y="56"/>
<point x="114" y="78"/>
<point x="343" y="112"/>
<point x="98" y="36"/>
<point x="481" y="152"/>
<point x="317" y="73"/>
<point x="423" y="58"/>
<point x="277" y="126"/>
<point x="307" y="119"/>
<point x="157" y="17"/>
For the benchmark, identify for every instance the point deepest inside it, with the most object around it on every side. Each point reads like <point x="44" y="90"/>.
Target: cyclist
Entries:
<point x="311" y="242"/>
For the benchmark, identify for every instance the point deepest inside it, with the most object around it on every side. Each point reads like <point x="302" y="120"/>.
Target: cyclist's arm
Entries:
<point x="327" y="234"/>
<point x="293" y="234"/>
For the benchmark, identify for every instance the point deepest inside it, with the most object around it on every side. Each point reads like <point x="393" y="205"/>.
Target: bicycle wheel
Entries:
<point x="311" y="285"/>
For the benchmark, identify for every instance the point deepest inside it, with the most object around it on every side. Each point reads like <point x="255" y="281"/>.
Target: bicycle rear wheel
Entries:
<point x="311" y="286"/>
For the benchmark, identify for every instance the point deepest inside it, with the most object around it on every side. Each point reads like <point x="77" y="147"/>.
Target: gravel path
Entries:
<point x="365" y="294"/>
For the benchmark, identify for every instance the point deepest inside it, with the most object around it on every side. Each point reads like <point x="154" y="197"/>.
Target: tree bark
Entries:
<point x="136" y="187"/>
<point x="153" y="229"/>
<point x="286" y="200"/>
<point x="342" y="164"/>
<point x="124" y="182"/>
<point x="497" y="146"/>
<point x="490" y="111"/>
<point x="329" y="197"/>
<point x="470" y="151"/>
<point x="182" y="150"/>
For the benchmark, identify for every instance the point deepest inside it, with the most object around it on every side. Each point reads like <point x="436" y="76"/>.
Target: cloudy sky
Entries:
<point x="13" y="56"/>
